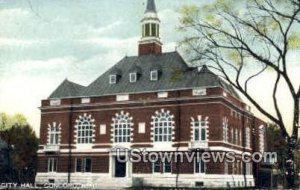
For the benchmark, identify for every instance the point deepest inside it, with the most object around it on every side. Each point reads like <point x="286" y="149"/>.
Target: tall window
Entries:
<point x="162" y="123"/>
<point x="153" y="30"/>
<point x="247" y="137"/>
<point x="225" y="167"/>
<point x="154" y="75"/>
<point x="225" y="129"/>
<point x="147" y="30"/>
<point x="54" y="133"/>
<point x="199" y="166"/>
<point x="83" y="165"/>
<point x="167" y="166"/>
<point x="236" y="138"/>
<point x="122" y="124"/>
<point x="261" y="133"/>
<point x="248" y="168"/>
<point x="85" y="129"/>
<point x="52" y="164"/>
<point x="199" y="129"/>
<point x="156" y="166"/>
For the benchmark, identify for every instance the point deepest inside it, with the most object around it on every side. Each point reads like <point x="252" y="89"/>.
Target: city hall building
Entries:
<point x="155" y="102"/>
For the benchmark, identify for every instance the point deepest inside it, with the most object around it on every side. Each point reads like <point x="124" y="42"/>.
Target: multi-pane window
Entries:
<point x="225" y="129"/>
<point x="112" y="79"/>
<point x="247" y="137"/>
<point x="154" y="75"/>
<point x="85" y="128"/>
<point x="156" y="166"/>
<point x="199" y="128"/>
<point x="53" y="133"/>
<point x="162" y="124"/>
<point x="122" y="128"/>
<point x="162" y="167"/>
<point x="83" y="165"/>
<point x="199" y="166"/>
<point x="52" y="164"/>
<point x="167" y="167"/>
<point x="132" y="77"/>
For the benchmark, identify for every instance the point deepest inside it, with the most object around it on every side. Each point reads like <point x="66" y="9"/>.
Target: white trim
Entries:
<point x="142" y="128"/>
<point x="85" y="100"/>
<point x="162" y="94"/>
<point x="55" y="102"/>
<point x="102" y="129"/>
<point x="122" y="97"/>
<point x="149" y="101"/>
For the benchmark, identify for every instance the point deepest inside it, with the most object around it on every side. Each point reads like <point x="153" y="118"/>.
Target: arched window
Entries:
<point x="54" y="133"/>
<point x="163" y="124"/>
<point x="85" y="132"/>
<point x="122" y="130"/>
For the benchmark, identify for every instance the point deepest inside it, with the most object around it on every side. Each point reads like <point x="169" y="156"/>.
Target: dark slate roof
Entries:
<point x="67" y="89"/>
<point x="151" y="6"/>
<point x="174" y="74"/>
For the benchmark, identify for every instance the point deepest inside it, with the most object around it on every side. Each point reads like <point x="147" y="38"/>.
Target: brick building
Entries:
<point x="155" y="102"/>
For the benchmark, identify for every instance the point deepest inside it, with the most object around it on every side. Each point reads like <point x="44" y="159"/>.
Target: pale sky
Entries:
<point x="44" y="42"/>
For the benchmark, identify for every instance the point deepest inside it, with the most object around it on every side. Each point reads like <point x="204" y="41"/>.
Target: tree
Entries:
<point x="243" y="40"/>
<point x="23" y="145"/>
<point x="276" y="143"/>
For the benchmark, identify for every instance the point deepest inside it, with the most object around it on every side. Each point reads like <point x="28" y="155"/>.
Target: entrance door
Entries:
<point x="120" y="167"/>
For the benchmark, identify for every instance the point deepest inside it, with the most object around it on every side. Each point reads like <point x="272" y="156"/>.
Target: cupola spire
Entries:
<point x="151" y="6"/>
<point x="150" y="41"/>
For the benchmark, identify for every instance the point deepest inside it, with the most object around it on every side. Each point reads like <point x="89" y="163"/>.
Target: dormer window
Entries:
<point x="112" y="79"/>
<point x="132" y="77"/>
<point x="154" y="75"/>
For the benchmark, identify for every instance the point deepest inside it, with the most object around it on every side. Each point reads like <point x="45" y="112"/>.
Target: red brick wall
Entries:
<point x="149" y="48"/>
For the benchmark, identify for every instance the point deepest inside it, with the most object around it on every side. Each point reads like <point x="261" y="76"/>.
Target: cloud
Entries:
<point x="4" y="42"/>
